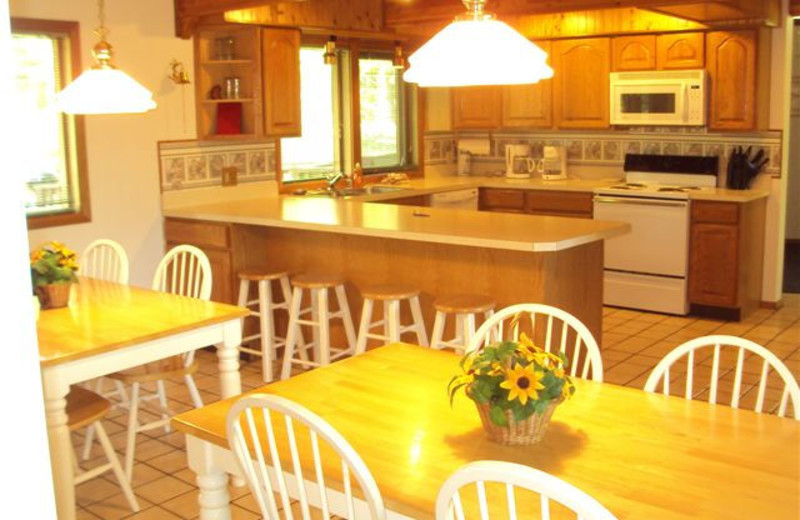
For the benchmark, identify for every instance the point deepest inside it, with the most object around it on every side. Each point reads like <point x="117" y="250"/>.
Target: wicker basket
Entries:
<point x="54" y="296"/>
<point x="529" y="431"/>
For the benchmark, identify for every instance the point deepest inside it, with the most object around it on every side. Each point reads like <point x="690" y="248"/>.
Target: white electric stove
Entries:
<point x="647" y="268"/>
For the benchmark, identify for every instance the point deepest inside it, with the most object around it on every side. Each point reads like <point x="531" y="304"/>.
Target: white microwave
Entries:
<point x="662" y="97"/>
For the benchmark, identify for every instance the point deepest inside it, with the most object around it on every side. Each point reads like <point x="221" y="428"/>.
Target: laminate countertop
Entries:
<point x="445" y="226"/>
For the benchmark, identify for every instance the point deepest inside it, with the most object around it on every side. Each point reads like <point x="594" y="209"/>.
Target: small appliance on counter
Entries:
<point x="464" y="162"/>
<point x="554" y="163"/>
<point x="519" y="164"/>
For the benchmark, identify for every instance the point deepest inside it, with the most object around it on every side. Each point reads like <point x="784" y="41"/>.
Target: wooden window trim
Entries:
<point x="72" y="31"/>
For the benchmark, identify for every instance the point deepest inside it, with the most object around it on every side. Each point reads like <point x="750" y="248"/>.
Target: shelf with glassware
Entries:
<point x="228" y="83"/>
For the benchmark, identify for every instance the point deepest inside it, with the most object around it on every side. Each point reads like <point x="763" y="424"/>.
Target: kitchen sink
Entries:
<point x="372" y="189"/>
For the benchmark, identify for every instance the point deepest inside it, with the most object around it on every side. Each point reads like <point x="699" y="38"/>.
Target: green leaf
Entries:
<point x="498" y="416"/>
<point x="453" y="392"/>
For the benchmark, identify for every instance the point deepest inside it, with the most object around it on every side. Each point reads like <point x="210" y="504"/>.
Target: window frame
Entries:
<point x="68" y="33"/>
<point x="355" y="47"/>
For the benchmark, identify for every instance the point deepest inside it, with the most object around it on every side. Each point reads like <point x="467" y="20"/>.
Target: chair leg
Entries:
<point x="197" y="401"/>
<point x="267" y="329"/>
<point x="363" y="327"/>
<point x="323" y="350"/>
<point x="162" y="400"/>
<point x="347" y="318"/>
<point x="124" y="481"/>
<point x="419" y="321"/>
<point x="123" y="394"/>
<point x="133" y="427"/>
<point x="438" y="330"/>
<point x="87" y="443"/>
<point x="291" y="333"/>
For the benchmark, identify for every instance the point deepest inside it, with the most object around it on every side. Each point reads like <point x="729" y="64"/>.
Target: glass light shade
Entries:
<point x="105" y="90"/>
<point x="477" y="52"/>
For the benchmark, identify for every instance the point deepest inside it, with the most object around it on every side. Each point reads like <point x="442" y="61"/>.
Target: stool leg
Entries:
<point x="267" y="328"/>
<point x="419" y="321"/>
<point x="492" y="336"/>
<point x="363" y="327"/>
<point x="347" y="318"/>
<point x="291" y="333"/>
<point x="323" y="348"/>
<point x="469" y="330"/>
<point x="315" y="318"/>
<point x="387" y="319"/>
<point x="244" y="292"/>
<point x="438" y="330"/>
<point x="111" y="455"/>
<point x="133" y="429"/>
<point x="458" y="337"/>
<point x="161" y="391"/>
<point x="286" y="289"/>
<point x="394" y="320"/>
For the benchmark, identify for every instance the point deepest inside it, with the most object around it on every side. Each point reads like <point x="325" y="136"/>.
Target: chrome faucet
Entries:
<point x="332" y="180"/>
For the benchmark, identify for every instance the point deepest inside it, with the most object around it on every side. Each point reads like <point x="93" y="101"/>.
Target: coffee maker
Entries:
<point x="519" y="164"/>
<point x="554" y="163"/>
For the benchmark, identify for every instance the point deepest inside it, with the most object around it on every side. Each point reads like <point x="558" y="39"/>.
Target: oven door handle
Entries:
<point x="642" y="202"/>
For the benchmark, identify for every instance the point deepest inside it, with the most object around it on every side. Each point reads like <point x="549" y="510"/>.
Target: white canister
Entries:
<point x="464" y="162"/>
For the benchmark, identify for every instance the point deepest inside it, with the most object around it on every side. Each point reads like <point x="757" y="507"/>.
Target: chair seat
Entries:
<point x="390" y="291"/>
<point x="85" y="407"/>
<point x="257" y="275"/>
<point x="464" y="303"/>
<point x="317" y="280"/>
<point x="157" y="370"/>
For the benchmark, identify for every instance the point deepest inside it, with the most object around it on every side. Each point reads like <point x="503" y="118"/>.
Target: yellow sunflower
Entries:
<point x="567" y="389"/>
<point x="522" y="382"/>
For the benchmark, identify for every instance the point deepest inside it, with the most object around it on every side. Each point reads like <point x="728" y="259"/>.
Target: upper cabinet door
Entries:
<point x="581" y="82"/>
<point x="529" y="106"/>
<point x="476" y="107"/>
<point x="281" y="84"/>
<point x="633" y="53"/>
<point x="681" y="51"/>
<point x="731" y="63"/>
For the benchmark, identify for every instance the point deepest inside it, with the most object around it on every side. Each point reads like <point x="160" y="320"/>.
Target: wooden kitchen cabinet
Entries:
<point x="477" y="107"/>
<point x="501" y="200"/>
<point x="580" y="85"/>
<point x="731" y="64"/>
<point x="559" y="203"/>
<point x="726" y="257"/>
<point x="281" y="80"/>
<point x="529" y="106"/>
<point x="680" y="51"/>
<point x="633" y="53"/>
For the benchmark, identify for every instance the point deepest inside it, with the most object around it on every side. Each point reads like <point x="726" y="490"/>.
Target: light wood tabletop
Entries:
<point x="104" y="316"/>
<point x="643" y="456"/>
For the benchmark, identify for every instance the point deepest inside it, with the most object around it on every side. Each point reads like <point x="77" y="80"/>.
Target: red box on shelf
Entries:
<point x="229" y="118"/>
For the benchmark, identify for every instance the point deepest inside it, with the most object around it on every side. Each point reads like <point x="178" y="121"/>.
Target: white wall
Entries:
<point x="121" y="149"/>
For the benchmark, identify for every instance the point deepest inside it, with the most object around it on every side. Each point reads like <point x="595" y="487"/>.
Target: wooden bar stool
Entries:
<point x="263" y="308"/>
<point x="318" y="286"/>
<point x="86" y="408"/>
<point x="391" y="295"/>
<point x="465" y="307"/>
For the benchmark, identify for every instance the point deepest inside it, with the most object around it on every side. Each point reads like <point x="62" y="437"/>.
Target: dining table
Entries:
<point x="108" y="327"/>
<point x="642" y="455"/>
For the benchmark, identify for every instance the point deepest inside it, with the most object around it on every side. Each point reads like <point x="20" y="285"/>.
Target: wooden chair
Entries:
<point x="106" y="260"/>
<point x="86" y="408"/>
<point x="184" y="270"/>
<point x="661" y="373"/>
<point x="449" y="504"/>
<point x="552" y="329"/>
<point x="251" y="433"/>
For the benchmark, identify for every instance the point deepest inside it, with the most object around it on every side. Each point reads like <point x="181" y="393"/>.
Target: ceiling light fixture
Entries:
<point x="104" y="89"/>
<point x="399" y="59"/>
<point x="329" y="56"/>
<point x="477" y="49"/>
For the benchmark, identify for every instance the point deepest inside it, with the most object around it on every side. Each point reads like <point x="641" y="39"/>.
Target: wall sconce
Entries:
<point x="178" y="74"/>
<point x="399" y="59"/>
<point x="329" y="57"/>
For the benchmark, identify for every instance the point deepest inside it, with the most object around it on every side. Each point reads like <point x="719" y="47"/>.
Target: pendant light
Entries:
<point x="477" y="49"/>
<point x="104" y="89"/>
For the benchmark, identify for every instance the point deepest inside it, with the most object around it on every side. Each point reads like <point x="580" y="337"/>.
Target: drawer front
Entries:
<point x="715" y="212"/>
<point x="559" y="203"/>
<point x="491" y="199"/>
<point x="196" y="233"/>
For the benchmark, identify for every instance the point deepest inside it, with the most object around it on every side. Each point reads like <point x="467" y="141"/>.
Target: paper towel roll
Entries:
<point x="474" y="146"/>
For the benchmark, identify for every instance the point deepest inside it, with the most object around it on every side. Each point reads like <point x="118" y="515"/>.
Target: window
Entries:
<point x="49" y="151"/>
<point x="382" y="120"/>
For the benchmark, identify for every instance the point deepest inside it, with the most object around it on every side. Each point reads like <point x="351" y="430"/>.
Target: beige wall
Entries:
<point x="121" y="149"/>
<point x="793" y="170"/>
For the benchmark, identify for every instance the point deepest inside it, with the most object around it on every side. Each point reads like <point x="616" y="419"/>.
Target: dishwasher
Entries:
<point x="459" y="199"/>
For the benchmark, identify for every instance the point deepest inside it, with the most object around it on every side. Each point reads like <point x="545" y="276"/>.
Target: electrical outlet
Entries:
<point x="229" y="175"/>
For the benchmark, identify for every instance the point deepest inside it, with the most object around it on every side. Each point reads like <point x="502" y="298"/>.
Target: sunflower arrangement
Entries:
<point x="53" y="263"/>
<point x="513" y="376"/>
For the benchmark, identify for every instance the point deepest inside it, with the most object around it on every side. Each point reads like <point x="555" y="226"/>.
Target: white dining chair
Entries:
<point x="452" y="494"/>
<point x="186" y="271"/>
<point x="661" y="376"/>
<point x="259" y="453"/>
<point x="105" y="259"/>
<point x="553" y="329"/>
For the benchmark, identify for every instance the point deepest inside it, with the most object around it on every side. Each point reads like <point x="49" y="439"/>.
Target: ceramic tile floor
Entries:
<point x="633" y="343"/>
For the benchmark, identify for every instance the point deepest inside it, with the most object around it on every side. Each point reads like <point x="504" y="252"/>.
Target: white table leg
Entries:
<point x="55" y="403"/>
<point x="228" y="354"/>
<point x="214" y="499"/>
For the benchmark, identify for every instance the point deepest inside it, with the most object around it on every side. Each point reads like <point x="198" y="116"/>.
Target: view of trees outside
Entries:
<point x="380" y="113"/>
<point x="40" y="155"/>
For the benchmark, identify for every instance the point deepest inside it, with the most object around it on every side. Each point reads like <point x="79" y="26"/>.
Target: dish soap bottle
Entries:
<point x="358" y="176"/>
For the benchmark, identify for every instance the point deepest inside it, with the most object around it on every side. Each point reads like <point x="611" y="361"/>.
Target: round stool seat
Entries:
<point x="317" y="281"/>
<point x="390" y="291"/>
<point x="256" y="275"/>
<point x="85" y="407"/>
<point x="464" y="303"/>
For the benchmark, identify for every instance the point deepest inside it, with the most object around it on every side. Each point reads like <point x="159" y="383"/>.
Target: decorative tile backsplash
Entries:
<point x="195" y="164"/>
<point x="609" y="147"/>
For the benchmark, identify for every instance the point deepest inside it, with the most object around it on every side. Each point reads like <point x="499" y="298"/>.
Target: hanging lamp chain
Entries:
<point x="102" y="51"/>
<point x="475" y="10"/>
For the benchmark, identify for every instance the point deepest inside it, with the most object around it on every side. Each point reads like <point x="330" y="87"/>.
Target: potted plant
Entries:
<point x="53" y="268"/>
<point x="516" y="386"/>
